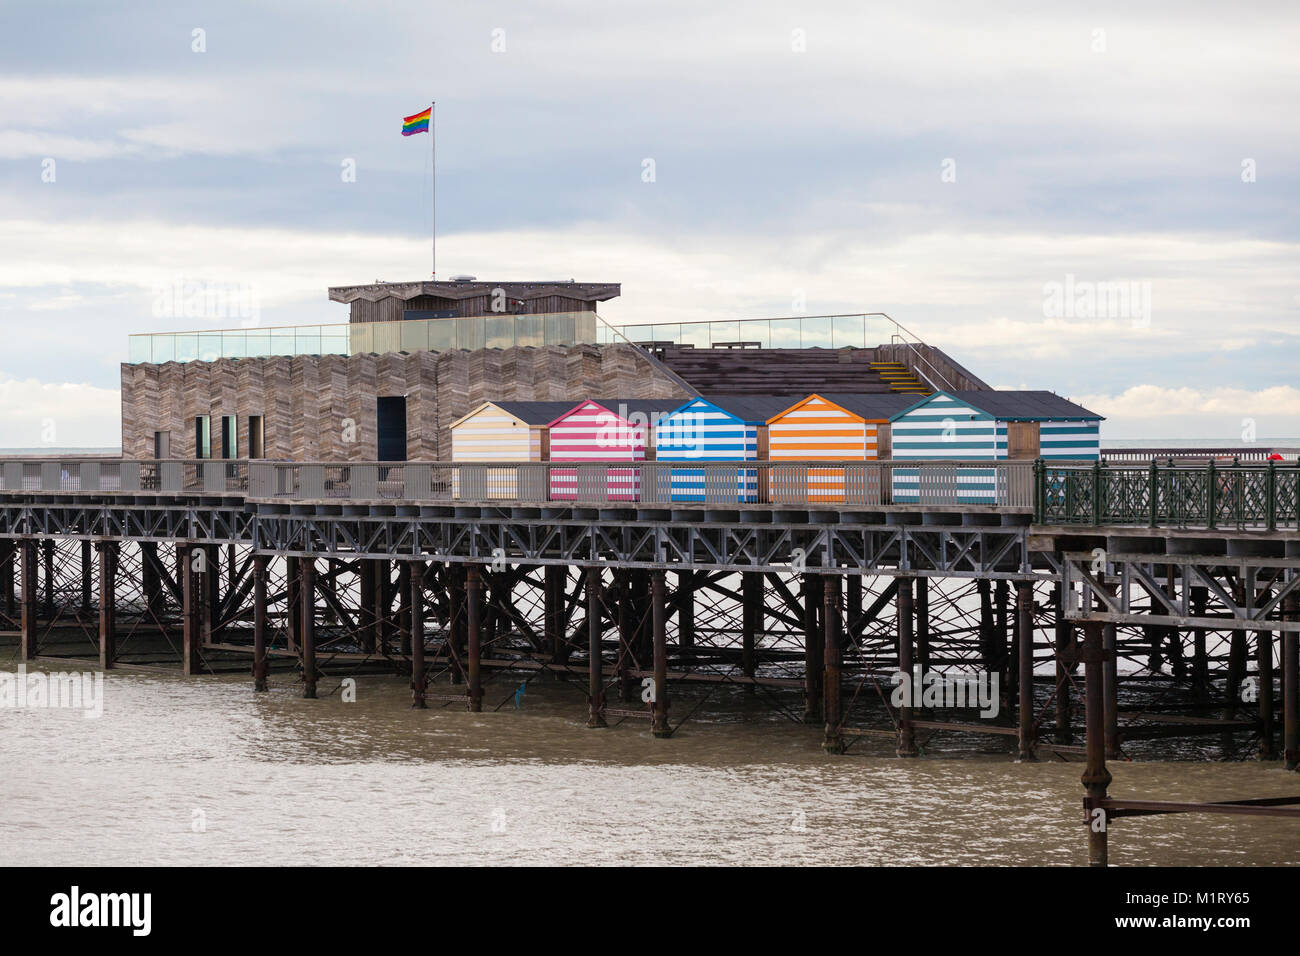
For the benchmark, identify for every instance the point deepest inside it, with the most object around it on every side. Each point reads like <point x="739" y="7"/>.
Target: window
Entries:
<point x="229" y="437"/>
<point x="203" y="436"/>
<point x="162" y="444"/>
<point x="256" y="437"/>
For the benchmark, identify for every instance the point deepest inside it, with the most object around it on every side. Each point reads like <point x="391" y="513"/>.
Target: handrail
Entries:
<point x="1172" y="494"/>
<point x="1261" y="497"/>
<point x="1003" y="484"/>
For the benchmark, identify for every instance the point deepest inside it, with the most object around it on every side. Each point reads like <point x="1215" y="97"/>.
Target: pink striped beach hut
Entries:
<point x="600" y="431"/>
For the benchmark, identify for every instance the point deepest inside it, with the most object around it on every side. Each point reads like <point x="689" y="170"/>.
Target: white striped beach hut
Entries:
<point x="725" y="428"/>
<point x="505" y="432"/>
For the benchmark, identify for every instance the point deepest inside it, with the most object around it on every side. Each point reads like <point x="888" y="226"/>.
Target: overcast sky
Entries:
<point x="956" y="165"/>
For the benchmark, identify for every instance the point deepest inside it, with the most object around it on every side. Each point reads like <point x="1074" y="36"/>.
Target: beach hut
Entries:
<point x="720" y="429"/>
<point x="833" y="427"/>
<point x="603" y="431"/>
<point x="500" y="432"/>
<point x="986" y="425"/>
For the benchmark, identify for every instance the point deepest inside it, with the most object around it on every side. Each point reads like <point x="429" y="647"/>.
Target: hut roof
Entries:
<point x="1011" y="405"/>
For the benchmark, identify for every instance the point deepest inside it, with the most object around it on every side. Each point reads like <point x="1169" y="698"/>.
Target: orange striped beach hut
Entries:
<point x="833" y="427"/>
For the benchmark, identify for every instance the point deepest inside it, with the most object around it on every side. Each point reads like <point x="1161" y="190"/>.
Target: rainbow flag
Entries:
<point x="419" y="123"/>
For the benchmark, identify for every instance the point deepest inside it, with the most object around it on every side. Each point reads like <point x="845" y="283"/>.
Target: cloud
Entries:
<point x="1152" y="401"/>
<point x="36" y="414"/>
<point x="20" y="144"/>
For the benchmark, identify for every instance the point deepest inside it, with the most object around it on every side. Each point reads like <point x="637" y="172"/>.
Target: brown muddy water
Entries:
<point x="205" y="772"/>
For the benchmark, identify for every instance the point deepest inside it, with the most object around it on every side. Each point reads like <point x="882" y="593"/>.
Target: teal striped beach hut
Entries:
<point x="987" y="425"/>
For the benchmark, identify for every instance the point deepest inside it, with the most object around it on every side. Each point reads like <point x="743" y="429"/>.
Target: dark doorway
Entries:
<point x="391" y="429"/>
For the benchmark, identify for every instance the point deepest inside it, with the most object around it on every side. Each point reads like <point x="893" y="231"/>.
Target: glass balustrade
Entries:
<point x="412" y="335"/>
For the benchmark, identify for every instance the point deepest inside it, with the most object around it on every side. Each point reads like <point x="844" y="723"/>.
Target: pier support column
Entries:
<point x="922" y="608"/>
<point x="1200" y="657"/>
<point x="47" y="553"/>
<point x="659" y="638"/>
<point x="833" y="626"/>
<point x="459" y="621"/>
<point x="191" y="610"/>
<point x="1291" y="685"/>
<point x="686" y="614"/>
<point x="28" y="585"/>
<point x="1096" y="778"/>
<point x="293" y="599"/>
<point x="1028" y="735"/>
<point x="474" y="636"/>
<point x="814" y="640"/>
<point x="260" y="562"/>
<point x="367" y="610"/>
<point x="1110" y="690"/>
<point x="1264" y="663"/>
<point x="307" y="627"/>
<point x="595" y="674"/>
<point x="8" y="566"/>
<point x="1064" y="636"/>
<point x="404" y="627"/>
<point x="751" y="616"/>
<point x="906" y="733"/>
<point x="419" y="676"/>
<point x="150" y="580"/>
<point x="87" y="577"/>
<point x="108" y="551"/>
<point x="553" y="578"/>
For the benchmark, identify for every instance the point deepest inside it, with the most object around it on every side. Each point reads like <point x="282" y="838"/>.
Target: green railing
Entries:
<point x="1157" y="495"/>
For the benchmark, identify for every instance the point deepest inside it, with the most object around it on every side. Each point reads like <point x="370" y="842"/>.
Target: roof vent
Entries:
<point x="463" y="278"/>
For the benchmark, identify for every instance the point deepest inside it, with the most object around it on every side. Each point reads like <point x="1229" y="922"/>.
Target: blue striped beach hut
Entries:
<point x="722" y="428"/>
<point x="987" y="425"/>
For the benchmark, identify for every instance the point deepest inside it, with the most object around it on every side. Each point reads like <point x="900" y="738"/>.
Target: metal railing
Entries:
<point x="863" y="330"/>
<point x="1170" y="494"/>
<point x="215" y="476"/>
<point x="1007" y="484"/>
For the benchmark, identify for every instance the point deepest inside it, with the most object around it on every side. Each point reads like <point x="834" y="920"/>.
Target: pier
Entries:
<point x="1119" y="605"/>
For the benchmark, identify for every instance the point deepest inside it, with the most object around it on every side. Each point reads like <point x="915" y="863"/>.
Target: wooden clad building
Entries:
<point x="395" y="301"/>
<point x="360" y="407"/>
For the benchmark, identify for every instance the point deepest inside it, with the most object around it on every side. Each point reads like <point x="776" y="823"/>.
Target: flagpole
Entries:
<point x="433" y="190"/>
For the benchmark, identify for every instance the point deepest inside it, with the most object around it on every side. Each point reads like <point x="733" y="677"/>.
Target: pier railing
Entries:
<point x="1007" y="484"/>
<point x="1169" y="494"/>
<point x="1001" y="484"/>
<point x="1153" y="494"/>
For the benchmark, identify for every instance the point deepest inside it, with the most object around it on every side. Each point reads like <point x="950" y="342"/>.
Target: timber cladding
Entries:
<point x="324" y="407"/>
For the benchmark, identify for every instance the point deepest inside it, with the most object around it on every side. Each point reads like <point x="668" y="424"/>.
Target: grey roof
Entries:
<point x="752" y="409"/>
<point x="873" y="406"/>
<point x="1027" y="406"/>
<point x="645" y="406"/>
<point x="537" y="413"/>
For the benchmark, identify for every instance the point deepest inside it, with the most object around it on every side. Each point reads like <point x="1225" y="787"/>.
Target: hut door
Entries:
<point x="1022" y="439"/>
<point x="390" y="430"/>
